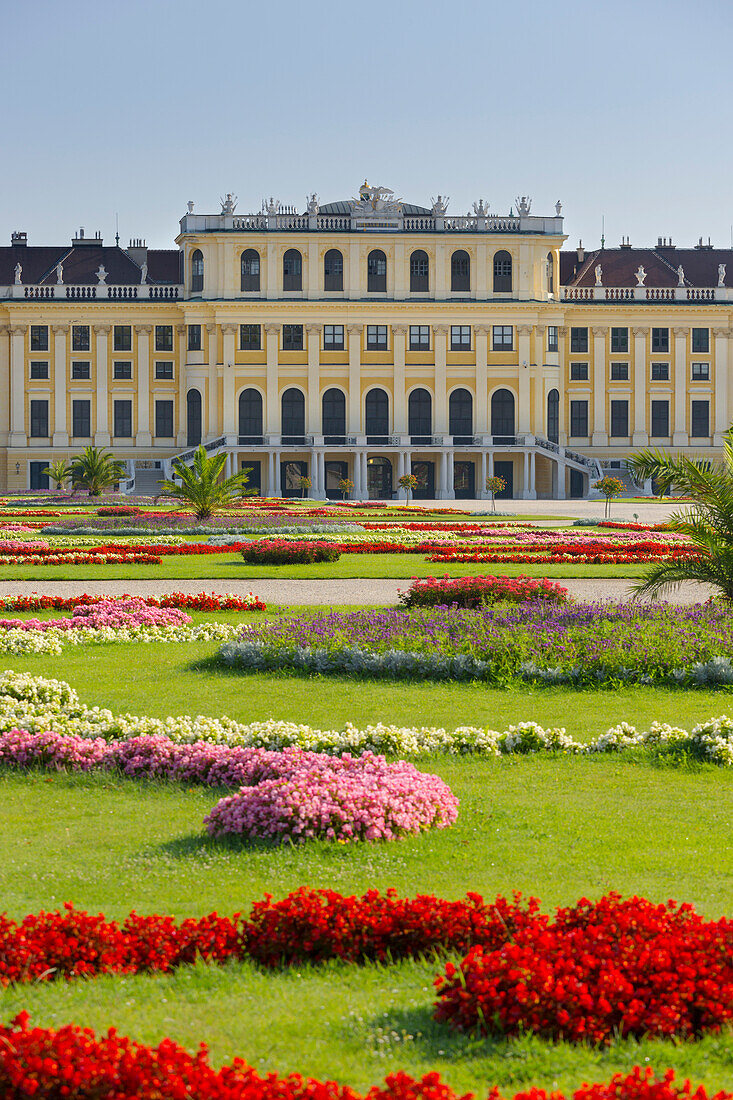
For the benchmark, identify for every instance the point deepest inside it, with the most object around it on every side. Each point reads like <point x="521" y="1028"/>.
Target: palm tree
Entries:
<point x="651" y="465"/>
<point x="201" y="486"/>
<point x="59" y="472"/>
<point x="95" y="469"/>
<point x="707" y="523"/>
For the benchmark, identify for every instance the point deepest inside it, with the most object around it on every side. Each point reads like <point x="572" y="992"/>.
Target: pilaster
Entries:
<point x="640" y="435"/>
<point x="721" y="422"/>
<point x="524" y="334"/>
<point x="313" y="419"/>
<point x="354" y="419"/>
<point x="680" y="435"/>
<point x="228" y="335"/>
<point x="481" y="418"/>
<point x="143" y="437"/>
<point x="399" y="338"/>
<point x="441" y="401"/>
<point x="272" y="411"/>
<point x="213" y="428"/>
<point x="4" y="383"/>
<point x="101" y="435"/>
<point x="60" y="436"/>
<point x="600" y="432"/>
<point x="17" y="386"/>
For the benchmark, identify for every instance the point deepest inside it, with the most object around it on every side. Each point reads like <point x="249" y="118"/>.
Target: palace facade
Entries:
<point x="364" y="339"/>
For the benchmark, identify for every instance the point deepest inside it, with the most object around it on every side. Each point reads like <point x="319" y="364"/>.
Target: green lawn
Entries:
<point x="555" y="828"/>
<point x="230" y="567"/>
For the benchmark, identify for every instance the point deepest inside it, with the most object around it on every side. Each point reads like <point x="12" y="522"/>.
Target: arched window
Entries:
<point x="419" y="271"/>
<point x="333" y="270"/>
<point x="250" y="270"/>
<point x="197" y="271"/>
<point x="250" y="416"/>
<point x="420" y="416"/>
<point x="377" y="414"/>
<point x="377" y="271"/>
<point x="293" y="415"/>
<point x="193" y="418"/>
<point x="502" y="413"/>
<point x="550" y="274"/>
<point x="460" y="416"/>
<point x="460" y="271"/>
<point x="553" y="416"/>
<point x="502" y="272"/>
<point x="333" y="423"/>
<point x="292" y="270"/>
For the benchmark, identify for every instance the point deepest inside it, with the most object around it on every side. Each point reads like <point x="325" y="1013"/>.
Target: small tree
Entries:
<point x="610" y="487"/>
<point x="346" y="485"/>
<point x="95" y="469"/>
<point x="305" y="483"/>
<point x="59" y="472"/>
<point x="409" y="483"/>
<point x="495" y="484"/>
<point x="202" y="487"/>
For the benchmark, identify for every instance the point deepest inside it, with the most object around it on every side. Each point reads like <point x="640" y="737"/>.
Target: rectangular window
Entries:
<point x="81" y="419"/>
<point x="660" y="340"/>
<point x="579" y="419"/>
<point x="292" y="337"/>
<point x="164" y="419"/>
<point x="700" y="419"/>
<point x="552" y="337"/>
<point x="419" y="337"/>
<point x="164" y="337"/>
<point x="250" y="338"/>
<point x="333" y="337"/>
<point x="700" y="372"/>
<point x="619" y="372"/>
<point x="460" y="338"/>
<point x="39" y="419"/>
<point x="39" y="337"/>
<point x="39" y="370"/>
<point x="579" y="339"/>
<point x="194" y="337"/>
<point x="619" y="340"/>
<point x="578" y="372"/>
<point x="660" y="418"/>
<point x="123" y="419"/>
<point x="122" y="370"/>
<point x="503" y="338"/>
<point x="122" y="338"/>
<point x="701" y="340"/>
<point x="619" y="419"/>
<point x="80" y="337"/>
<point x="660" y="372"/>
<point x="164" y="370"/>
<point x="80" y="371"/>
<point x="376" y="338"/>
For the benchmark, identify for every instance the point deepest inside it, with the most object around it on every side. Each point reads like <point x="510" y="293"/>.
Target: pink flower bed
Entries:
<point x="295" y="794"/>
<point x="114" y="614"/>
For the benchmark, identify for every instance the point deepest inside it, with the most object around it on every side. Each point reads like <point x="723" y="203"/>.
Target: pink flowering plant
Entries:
<point x="105" y="614"/>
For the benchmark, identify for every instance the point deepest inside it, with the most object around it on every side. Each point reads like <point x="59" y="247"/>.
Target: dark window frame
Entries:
<point x="293" y="270"/>
<point x="250" y="269"/>
<point x="81" y="417"/>
<point x="122" y="338"/>
<point x="619" y="341"/>
<point x="460" y="272"/>
<point x="292" y="337"/>
<point x="332" y="341"/>
<point x="39" y="338"/>
<point x="619" y="418"/>
<point x="499" y="337"/>
<point x="81" y="371"/>
<point x="419" y="337"/>
<point x="619" y="372"/>
<point x="700" y="341"/>
<point x="164" y="413"/>
<point x="197" y="271"/>
<point x="579" y="340"/>
<point x="38" y="370"/>
<point x="503" y="272"/>
<point x="194" y="338"/>
<point x="333" y="270"/>
<point x="697" y="421"/>
<point x="250" y="337"/>
<point x="662" y="372"/>
<point x="660" y="341"/>
<point x="122" y="417"/>
<point x="659" y="418"/>
<point x="122" y="370"/>
<point x="39" y="425"/>
<point x="419" y="271"/>
<point x="377" y="272"/>
<point x="377" y="338"/>
<point x="579" y="419"/>
<point x="698" y="374"/>
<point x="552" y="338"/>
<point x="164" y="370"/>
<point x="460" y="331"/>
<point x="579" y="372"/>
<point x="164" y="337"/>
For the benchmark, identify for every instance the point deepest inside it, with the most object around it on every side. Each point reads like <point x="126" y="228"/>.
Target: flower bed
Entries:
<point x="583" y="644"/>
<point x="46" y="1064"/>
<point x="600" y="970"/>
<point x="279" y="552"/>
<point x="43" y="553"/>
<point x="189" y="601"/>
<point x="35" y="704"/>
<point x="112" y="614"/>
<point x="479" y="591"/>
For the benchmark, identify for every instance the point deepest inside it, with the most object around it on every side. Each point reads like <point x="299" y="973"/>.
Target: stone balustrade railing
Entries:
<point x="647" y="294"/>
<point x="99" y="292"/>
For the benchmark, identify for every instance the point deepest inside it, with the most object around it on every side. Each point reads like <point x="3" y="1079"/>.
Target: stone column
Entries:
<point x="4" y="383"/>
<point x="721" y="385"/>
<point x="600" y="434"/>
<point x="213" y="428"/>
<point x="480" y="274"/>
<point x="271" y="474"/>
<point x="440" y="415"/>
<point x="312" y="271"/>
<point x="18" y="436"/>
<point x="364" y="475"/>
<point x="229" y="427"/>
<point x="358" y="490"/>
<point x="319" y="475"/>
<point x="562" y="333"/>
<point x="481" y="413"/>
<point x="640" y="435"/>
<point x="102" y="436"/>
<point x="354" y="418"/>
<point x="399" y="338"/>
<point x="400" y="279"/>
<point x="679" y="435"/>
<point x="143" y="437"/>
<point x="272" y="411"/>
<point x="313" y="419"/>
<point x="532" y="493"/>
<point x="60" y="427"/>
<point x="524" y="425"/>
<point x="356" y="258"/>
<point x="525" y="473"/>
<point x="440" y="281"/>
<point x="181" y="372"/>
<point x="450" y="476"/>
<point x="481" y="487"/>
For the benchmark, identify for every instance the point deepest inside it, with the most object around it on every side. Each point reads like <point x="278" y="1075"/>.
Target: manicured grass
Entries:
<point x="230" y="567"/>
<point x="556" y="828"/>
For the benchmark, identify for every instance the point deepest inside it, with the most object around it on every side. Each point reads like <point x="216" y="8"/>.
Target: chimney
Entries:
<point x="137" y="250"/>
<point x="80" y="240"/>
<point x="625" y="243"/>
<point x="581" y="252"/>
<point x="18" y="239"/>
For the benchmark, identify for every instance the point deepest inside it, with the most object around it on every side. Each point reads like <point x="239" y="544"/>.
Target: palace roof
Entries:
<point x="81" y="263"/>
<point x="619" y="266"/>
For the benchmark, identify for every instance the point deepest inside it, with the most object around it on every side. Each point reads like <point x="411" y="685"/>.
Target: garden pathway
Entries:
<point x="324" y="592"/>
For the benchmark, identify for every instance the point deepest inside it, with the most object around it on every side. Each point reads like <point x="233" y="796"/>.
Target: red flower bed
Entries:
<point x="284" y="552"/>
<point x="188" y="601"/>
<point x="614" y="967"/>
<point x="46" y="1064"/>
<point x="479" y="591"/>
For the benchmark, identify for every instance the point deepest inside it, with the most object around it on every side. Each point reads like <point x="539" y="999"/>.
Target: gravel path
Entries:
<point x="377" y="593"/>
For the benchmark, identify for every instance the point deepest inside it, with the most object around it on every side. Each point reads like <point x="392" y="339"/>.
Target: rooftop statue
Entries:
<point x="228" y="203"/>
<point x="144" y="273"/>
<point x="680" y="276"/>
<point x="481" y="208"/>
<point x="721" y="274"/>
<point x="523" y="205"/>
<point x="101" y="275"/>
<point x="18" y="273"/>
<point x="59" y="273"/>
<point x="375" y="201"/>
<point x="558" y="208"/>
<point x="190" y="206"/>
<point x="599" y="275"/>
<point x="440" y="205"/>
<point x="313" y="204"/>
<point x="640" y="275"/>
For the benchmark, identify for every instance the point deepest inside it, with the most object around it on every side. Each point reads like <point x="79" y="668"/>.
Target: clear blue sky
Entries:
<point x="620" y="108"/>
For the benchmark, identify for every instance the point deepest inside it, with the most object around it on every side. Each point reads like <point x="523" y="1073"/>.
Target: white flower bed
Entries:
<point x="36" y="704"/>
<point x="54" y="641"/>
